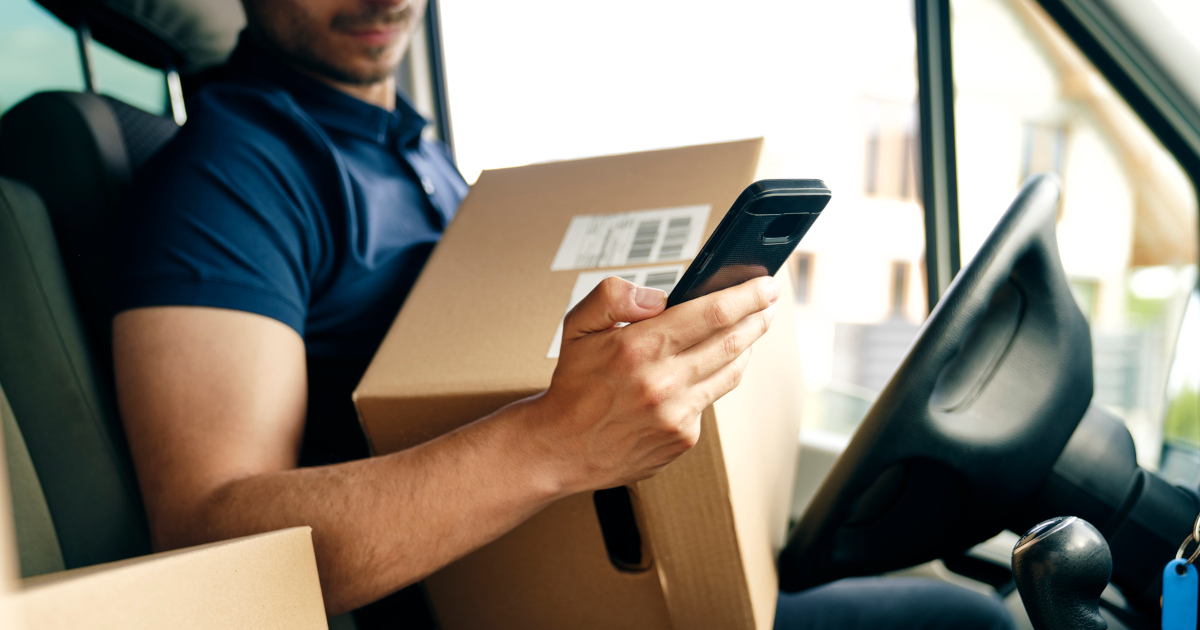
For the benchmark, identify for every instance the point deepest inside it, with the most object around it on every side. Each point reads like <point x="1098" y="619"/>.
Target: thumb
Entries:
<point x="612" y="301"/>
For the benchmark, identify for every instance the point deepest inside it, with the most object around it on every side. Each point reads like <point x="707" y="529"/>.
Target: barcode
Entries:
<point x="664" y="280"/>
<point x="675" y="238"/>
<point x="643" y="241"/>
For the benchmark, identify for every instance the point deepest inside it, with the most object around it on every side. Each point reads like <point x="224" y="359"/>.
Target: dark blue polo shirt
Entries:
<point x="284" y="197"/>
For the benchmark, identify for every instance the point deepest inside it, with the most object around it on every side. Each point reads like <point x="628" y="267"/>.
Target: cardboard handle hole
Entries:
<point x="618" y="525"/>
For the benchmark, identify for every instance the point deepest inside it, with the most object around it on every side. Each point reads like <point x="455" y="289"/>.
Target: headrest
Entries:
<point x="191" y="35"/>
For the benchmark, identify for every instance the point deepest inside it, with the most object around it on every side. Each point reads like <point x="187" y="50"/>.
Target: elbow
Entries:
<point x="189" y="519"/>
<point x="172" y="529"/>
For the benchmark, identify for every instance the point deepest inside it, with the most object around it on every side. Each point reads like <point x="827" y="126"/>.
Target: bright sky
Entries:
<point x="538" y="80"/>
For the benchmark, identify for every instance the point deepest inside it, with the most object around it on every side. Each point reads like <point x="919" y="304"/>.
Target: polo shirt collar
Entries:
<point x="329" y="107"/>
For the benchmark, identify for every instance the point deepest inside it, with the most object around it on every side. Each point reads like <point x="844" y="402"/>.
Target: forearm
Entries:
<point x="385" y="522"/>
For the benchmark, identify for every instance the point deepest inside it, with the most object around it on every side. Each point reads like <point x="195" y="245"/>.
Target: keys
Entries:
<point x="1180" y="590"/>
<point x="1181" y="587"/>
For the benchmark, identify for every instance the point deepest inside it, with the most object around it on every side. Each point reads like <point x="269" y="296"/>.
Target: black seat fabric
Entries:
<point x="143" y="133"/>
<point x="79" y="152"/>
<point x="61" y="394"/>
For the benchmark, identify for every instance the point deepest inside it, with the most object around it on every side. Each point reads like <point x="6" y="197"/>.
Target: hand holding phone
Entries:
<point x="755" y="237"/>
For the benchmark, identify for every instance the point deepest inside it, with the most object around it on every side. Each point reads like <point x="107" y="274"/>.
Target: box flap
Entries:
<point x="263" y="581"/>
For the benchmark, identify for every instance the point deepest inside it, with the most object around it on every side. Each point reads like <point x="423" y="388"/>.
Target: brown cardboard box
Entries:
<point x="264" y="581"/>
<point x="474" y="335"/>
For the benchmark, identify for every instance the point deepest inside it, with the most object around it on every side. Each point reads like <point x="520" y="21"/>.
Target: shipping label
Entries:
<point x="632" y="238"/>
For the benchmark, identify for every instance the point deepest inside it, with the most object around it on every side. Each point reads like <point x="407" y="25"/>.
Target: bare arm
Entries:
<point x="214" y="408"/>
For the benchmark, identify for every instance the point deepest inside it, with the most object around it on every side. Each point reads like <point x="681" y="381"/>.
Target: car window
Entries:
<point x="1027" y="101"/>
<point x="1184" y="15"/>
<point x="538" y="80"/>
<point x="39" y="53"/>
<point x="127" y="80"/>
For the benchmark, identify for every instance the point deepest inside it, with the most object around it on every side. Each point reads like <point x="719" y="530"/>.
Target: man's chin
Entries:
<point x="360" y="74"/>
<point x="369" y="65"/>
<point x="364" y="77"/>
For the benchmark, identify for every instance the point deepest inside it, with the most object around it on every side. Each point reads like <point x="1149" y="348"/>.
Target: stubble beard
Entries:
<point x="299" y="42"/>
<point x="309" y="59"/>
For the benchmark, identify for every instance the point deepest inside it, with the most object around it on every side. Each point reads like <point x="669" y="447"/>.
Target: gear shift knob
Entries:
<point x="1061" y="566"/>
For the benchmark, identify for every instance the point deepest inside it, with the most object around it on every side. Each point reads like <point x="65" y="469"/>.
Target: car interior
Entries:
<point x="988" y="422"/>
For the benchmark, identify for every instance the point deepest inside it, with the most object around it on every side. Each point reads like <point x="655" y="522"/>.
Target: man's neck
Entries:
<point x="381" y="93"/>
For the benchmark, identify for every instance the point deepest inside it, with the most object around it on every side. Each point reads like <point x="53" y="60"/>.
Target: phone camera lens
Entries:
<point x="781" y="229"/>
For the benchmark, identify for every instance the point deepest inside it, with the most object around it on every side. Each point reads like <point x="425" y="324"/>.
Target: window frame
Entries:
<point x="939" y="174"/>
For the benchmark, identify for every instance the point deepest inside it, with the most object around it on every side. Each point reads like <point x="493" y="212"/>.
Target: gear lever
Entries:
<point x="1061" y="566"/>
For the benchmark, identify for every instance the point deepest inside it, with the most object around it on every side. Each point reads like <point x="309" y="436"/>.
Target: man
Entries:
<point x="269" y="249"/>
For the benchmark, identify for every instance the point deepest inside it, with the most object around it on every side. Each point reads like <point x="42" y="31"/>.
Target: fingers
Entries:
<point x="711" y="355"/>
<point x="612" y="301"/>
<point x="696" y="321"/>
<point x="725" y="379"/>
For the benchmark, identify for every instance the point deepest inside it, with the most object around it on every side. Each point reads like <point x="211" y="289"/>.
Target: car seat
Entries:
<point x="66" y="161"/>
<point x="62" y="397"/>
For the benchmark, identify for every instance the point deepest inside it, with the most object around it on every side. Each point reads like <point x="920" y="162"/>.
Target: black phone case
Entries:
<point x="737" y="251"/>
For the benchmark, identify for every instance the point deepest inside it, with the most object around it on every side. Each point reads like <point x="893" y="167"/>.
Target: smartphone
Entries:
<point x="755" y="237"/>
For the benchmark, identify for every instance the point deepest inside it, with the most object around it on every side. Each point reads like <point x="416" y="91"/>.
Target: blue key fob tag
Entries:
<point x="1180" y="594"/>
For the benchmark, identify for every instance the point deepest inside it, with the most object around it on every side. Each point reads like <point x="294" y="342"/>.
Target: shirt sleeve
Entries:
<point x="224" y="219"/>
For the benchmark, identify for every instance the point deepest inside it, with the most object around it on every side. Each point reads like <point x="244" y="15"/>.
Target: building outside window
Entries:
<point x="891" y="149"/>
<point x="900" y="273"/>
<point x="540" y="80"/>
<point x="1043" y="152"/>
<point x="1026" y="101"/>
<point x="802" y="268"/>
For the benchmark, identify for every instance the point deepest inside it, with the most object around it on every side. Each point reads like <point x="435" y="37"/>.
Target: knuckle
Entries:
<point x="720" y="313"/>
<point x="733" y="344"/>
<point x="612" y="284"/>
<point x="670" y="428"/>
<point x="735" y="378"/>
<point x="689" y="432"/>
<point x="739" y="369"/>
<point x="635" y="350"/>
<point x="729" y="378"/>
<point x="654" y="393"/>
<point x="612" y="289"/>
<point x="653" y="342"/>
<point x="761" y="299"/>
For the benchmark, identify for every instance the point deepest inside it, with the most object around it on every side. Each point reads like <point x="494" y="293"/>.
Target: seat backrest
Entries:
<point x="38" y="551"/>
<point x="61" y="394"/>
<point x="78" y="152"/>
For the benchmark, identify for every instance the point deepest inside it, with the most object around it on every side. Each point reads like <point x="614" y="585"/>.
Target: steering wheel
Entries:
<point x="972" y="420"/>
